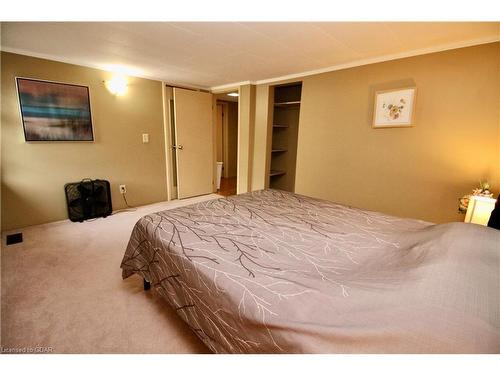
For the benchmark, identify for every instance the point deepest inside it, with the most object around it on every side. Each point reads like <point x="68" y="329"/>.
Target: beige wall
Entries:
<point x="0" y="191"/>
<point x="262" y="137"/>
<point x="231" y="140"/>
<point x="418" y="172"/>
<point x="219" y="133"/>
<point x="33" y="174"/>
<point x="246" y="137"/>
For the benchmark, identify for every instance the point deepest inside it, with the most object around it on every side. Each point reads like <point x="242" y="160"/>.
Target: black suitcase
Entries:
<point x="88" y="199"/>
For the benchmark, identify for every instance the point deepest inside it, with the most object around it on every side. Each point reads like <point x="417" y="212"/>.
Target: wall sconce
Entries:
<point x="117" y="85"/>
<point x="479" y="210"/>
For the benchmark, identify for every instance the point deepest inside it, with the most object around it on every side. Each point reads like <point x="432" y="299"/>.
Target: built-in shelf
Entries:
<point x="286" y="104"/>
<point x="282" y="151"/>
<point x="276" y="173"/>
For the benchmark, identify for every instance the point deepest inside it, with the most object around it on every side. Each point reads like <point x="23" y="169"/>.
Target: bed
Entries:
<point x="276" y="272"/>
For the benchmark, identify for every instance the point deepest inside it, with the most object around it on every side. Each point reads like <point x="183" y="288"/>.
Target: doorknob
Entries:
<point x="180" y="147"/>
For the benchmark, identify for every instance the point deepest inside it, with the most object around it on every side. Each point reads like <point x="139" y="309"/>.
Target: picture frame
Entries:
<point x="394" y="108"/>
<point x="54" y="111"/>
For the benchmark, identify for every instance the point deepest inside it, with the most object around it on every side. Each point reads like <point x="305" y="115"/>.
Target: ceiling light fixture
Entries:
<point x="117" y="85"/>
<point x="233" y="94"/>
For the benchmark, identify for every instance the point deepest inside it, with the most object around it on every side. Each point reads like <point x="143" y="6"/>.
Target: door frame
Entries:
<point x="225" y="124"/>
<point x="168" y="139"/>
<point x="224" y="137"/>
<point x="194" y="177"/>
<point x="167" y="95"/>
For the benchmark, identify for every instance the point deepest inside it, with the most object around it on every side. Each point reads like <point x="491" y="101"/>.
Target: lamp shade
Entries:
<point x="479" y="210"/>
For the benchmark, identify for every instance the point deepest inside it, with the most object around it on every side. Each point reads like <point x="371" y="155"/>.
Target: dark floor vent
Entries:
<point x="14" y="238"/>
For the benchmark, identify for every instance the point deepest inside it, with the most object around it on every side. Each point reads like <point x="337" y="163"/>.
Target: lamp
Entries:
<point x="479" y="210"/>
<point x="117" y="85"/>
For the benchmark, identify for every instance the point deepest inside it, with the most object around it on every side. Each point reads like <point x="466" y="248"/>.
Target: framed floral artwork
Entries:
<point x="394" y="108"/>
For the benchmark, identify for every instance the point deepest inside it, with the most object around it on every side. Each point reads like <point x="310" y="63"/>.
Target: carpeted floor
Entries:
<point x="62" y="288"/>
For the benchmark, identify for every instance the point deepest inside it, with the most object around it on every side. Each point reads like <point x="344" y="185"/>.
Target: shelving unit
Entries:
<point x="276" y="173"/>
<point x="286" y="104"/>
<point x="285" y="122"/>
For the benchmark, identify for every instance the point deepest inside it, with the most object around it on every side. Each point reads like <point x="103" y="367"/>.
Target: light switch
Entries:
<point x="145" y="138"/>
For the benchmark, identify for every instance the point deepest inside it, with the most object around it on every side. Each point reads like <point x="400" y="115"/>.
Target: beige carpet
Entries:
<point x="62" y="288"/>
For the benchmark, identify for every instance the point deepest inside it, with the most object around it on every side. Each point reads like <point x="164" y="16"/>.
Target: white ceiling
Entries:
<point x="208" y="54"/>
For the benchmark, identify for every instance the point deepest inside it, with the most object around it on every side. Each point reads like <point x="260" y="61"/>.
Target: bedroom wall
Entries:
<point x="262" y="137"/>
<point x="416" y="172"/>
<point x="33" y="174"/>
<point x="232" y="139"/>
<point x="246" y="115"/>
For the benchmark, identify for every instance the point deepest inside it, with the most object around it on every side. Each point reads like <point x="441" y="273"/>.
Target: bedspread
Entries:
<point x="276" y="272"/>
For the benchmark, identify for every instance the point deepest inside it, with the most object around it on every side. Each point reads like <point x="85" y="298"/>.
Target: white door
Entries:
<point x="193" y="142"/>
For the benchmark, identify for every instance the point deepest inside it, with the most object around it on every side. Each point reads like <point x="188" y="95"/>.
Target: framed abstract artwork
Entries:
<point x="394" y="108"/>
<point x="52" y="111"/>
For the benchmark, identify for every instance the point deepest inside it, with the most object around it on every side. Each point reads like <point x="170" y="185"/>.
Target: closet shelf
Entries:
<point x="285" y="107"/>
<point x="273" y="173"/>
<point x="286" y="104"/>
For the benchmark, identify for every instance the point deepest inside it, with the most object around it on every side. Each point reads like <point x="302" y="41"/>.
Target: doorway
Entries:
<point x="189" y="142"/>
<point x="226" y="141"/>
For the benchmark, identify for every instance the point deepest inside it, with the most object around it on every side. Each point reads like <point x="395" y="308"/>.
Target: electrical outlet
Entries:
<point x="145" y="138"/>
<point x="123" y="189"/>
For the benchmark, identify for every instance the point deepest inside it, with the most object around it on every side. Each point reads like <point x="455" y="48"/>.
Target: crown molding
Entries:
<point x="98" y="67"/>
<point x="229" y="87"/>
<point x="235" y="85"/>
<point x="374" y="60"/>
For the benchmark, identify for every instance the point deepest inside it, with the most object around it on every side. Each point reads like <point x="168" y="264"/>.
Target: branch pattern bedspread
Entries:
<point x="276" y="272"/>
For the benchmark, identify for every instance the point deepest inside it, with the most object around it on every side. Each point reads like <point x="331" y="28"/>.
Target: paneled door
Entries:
<point x="193" y="142"/>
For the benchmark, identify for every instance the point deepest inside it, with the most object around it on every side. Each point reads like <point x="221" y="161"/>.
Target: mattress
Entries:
<point x="276" y="272"/>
